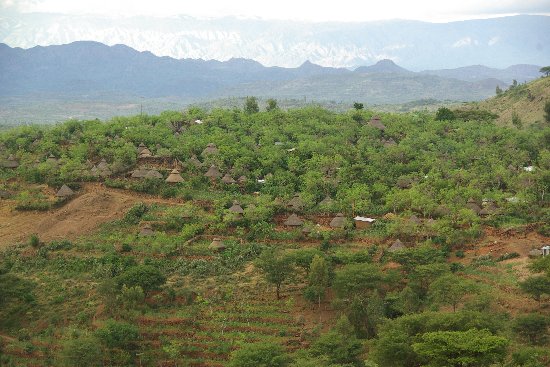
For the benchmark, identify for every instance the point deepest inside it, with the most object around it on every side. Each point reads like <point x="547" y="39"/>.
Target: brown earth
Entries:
<point x="94" y="205"/>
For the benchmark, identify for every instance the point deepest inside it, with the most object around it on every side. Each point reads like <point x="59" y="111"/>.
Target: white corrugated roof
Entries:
<point x="364" y="219"/>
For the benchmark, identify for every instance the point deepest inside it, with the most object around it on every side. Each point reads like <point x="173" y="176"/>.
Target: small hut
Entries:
<point x="362" y="222"/>
<point x="242" y="180"/>
<point x="339" y="221"/>
<point x="545" y="250"/>
<point x="64" y="192"/>
<point x="103" y="165"/>
<point x="217" y="245"/>
<point x="404" y="183"/>
<point x="194" y="161"/>
<point x="396" y="246"/>
<point x="388" y="143"/>
<point x="141" y="148"/>
<point x="535" y="253"/>
<point x="376" y="123"/>
<point x="415" y="220"/>
<point x="327" y="201"/>
<point x="4" y="194"/>
<point x="51" y="159"/>
<point x="11" y="162"/>
<point x="145" y="153"/>
<point x="227" y="179"/>
<point x="471" y="204"/>
<point x="146" y="230"/>
<point x="211" y="148"/>
<point x="236" y="208"/>
<point x="293" y="221"/>
<point x="213" y="172"/>
<point x="174" y="177"/>
<point x="139" y="173"/>
<point x="94" y="171"/>
<point x="295" y="203"/>
<point x="441" y="211"/>
<point x="154" y="174"/>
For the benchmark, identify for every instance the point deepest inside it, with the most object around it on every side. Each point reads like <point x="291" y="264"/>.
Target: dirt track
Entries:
<point x="94" y="205"/>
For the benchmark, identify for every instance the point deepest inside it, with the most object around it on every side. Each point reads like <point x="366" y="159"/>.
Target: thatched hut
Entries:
<point x="139" y="173"/>
<point x="64" y="192"/>
<point x="415" y="220"/>
<point x="213" y="172"/>
<point x="242" y="180"/>
<point x="51" y="159"/>
<point x="145" y="153"/>
<point x="103" y="165"/>
<point x="154" y="174"/>
<point x="194" y="161"/>
<point x="327" y="201"/>
<point x="236" y="208"/>
<point x="146" y="230"/>
<point x="404" y="183"/>
<point x="11" y="162"/>
<point x="217" y="245"/>
<point x="141" y="148"/>
<point x="4" y="194"/>
<point x="211" y="148"/>
<point x="471" y="204"/>
<point x="339" y="221"/>
<point x="227" y="179"/>
<point x="441" y="211"/>
<point x="396" y="246"/>
<point x="94" y="171"/>
<point x="376" y="123"/>
<point x="174" y="177"/>
<point x="362" y="222"/>
<point x="293" y="221"/>
<point x="295" y="203"/>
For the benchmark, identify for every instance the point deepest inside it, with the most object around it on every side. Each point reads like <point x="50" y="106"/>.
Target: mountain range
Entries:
<point x="497" y="42"/>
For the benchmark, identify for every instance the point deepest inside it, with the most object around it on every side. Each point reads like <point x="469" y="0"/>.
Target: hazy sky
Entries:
<point x="340" y="10"/>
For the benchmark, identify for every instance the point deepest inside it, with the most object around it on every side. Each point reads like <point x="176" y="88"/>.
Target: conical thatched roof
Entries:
<point x="414" y="219"/>
<point x="339" y="221"/>
<point x="236" y="208"/>
<point x="141" y="147"/>
<point x="396" y="246"/>
<point x="242" y="179"/>
<point x="441" y="211"/>
<point x="146" y="230"/>
<point x="404" y="182"/>
<point x="388" y="143"/>
<point x="210" y="149"/>
<point x="145" y="153"/>
<point x="375" y="122"/>
<point x="94" y="171"/>
<point x="51" y="159"/>
<point x="228" y="179"/>
<point x="11" y="162"/>
<point x="293" y="220"/>
<point x="471" y="204"/>
<point x="139" y="173"/>
<point x="194" y="161"/>
<point x="174" y="177"/>
<point x="153" y="174"/>
<point x="217" y="245"/>
<point x="213" y="172"/>
<point x="295" y="203"/>
<point x="326" y="201"/>
<point x="103" y="165"/>
<point x="64" y="191"/>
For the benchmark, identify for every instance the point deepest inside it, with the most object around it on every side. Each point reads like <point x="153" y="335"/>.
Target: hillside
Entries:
<point x="302" y="238"/>
<point x="526" y="100"/>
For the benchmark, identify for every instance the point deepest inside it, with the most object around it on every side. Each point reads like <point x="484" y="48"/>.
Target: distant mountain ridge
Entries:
<point x="497" y="42"/>
<point x="93" y="70"/>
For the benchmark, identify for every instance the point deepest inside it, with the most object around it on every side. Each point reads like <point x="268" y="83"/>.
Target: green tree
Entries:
<point x="444" y="114"/>
<point x="475" y="348"/>
<point x="358" y="106"/>
<point x="148" y="277"/>
<point x="357" y="279"/>
<point x="339" y="344"/>
<point x="251" y="105"/>
<point x="264" y="354"/>
<point x="271" y="105"/>
<point x="318" y="279"/>
<point x="498" y="90"/>
<point x="450" y="290"/>
<point x="547" y="111"/>
<point x="83" y="351"/>
<point x="536" y="287"/>
<point x="118" y="334"/>
<point x="532" y="327"/>
<point x="277" y="268"/>
<point x="545" y="70"/>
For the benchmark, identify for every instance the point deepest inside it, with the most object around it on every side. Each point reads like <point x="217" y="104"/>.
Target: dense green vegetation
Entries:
<point x="279" y="295"/>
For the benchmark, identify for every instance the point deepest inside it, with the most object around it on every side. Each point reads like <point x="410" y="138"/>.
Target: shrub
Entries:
<point x="148" y="277"/>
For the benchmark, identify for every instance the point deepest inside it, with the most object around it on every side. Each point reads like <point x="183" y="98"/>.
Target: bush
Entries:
<point x="259" y="355"/>
<point x="533" y="328"/>
<point x="148" y="277"/>
<point x="117" y="334"/>
<point x="135" y="213"/>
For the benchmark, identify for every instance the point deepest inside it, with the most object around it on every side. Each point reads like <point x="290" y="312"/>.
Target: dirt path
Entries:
<point x="94" y="205"/>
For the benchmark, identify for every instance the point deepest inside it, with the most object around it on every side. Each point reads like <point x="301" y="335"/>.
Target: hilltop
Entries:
<point x="525" y="100"/>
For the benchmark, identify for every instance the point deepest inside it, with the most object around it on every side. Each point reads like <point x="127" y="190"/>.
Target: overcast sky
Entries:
<point x="340" y="10"/>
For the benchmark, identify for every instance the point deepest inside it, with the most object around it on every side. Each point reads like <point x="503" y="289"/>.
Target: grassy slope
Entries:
<point x="527" y="100"/>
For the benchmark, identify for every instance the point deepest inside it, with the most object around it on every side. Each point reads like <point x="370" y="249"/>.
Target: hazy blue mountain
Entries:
<point x="521" y="73"/>
<point x="414" y="45"/>
<point x="382" y="66"/>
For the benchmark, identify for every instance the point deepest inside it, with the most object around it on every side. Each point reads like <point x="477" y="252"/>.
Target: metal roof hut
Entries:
<point x="396" y="246"/>
<point x="146" y="230"/>
<point x="213" y="172"/>
<point x="362" y="222"/>
<point x="376" y="123"/>
<point x="339" y="221"/>
<point x="295" y="203"/>
<point x="236" y="208"/>
<point x="154" y="174"/>
<point x="145" y="153"/>
<point x="227" y="179"/>
<point x="141" y="147"/>
<point x="11" y="162"/>
<point x="293" y="221"/>
<point x="217" y="245"/>
<point x="174" y="177"/>
<point x="194" y="161"/>
<point x="139" y="173"/>
<point x="471" y="204"/>
<point x="64" y="192"/>
<point x="211" y="148"/>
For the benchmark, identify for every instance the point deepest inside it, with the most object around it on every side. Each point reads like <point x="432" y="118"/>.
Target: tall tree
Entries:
<point x="277" y="268"/>
<point x="251" y="105"/>
<point x="545" y="70"/>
